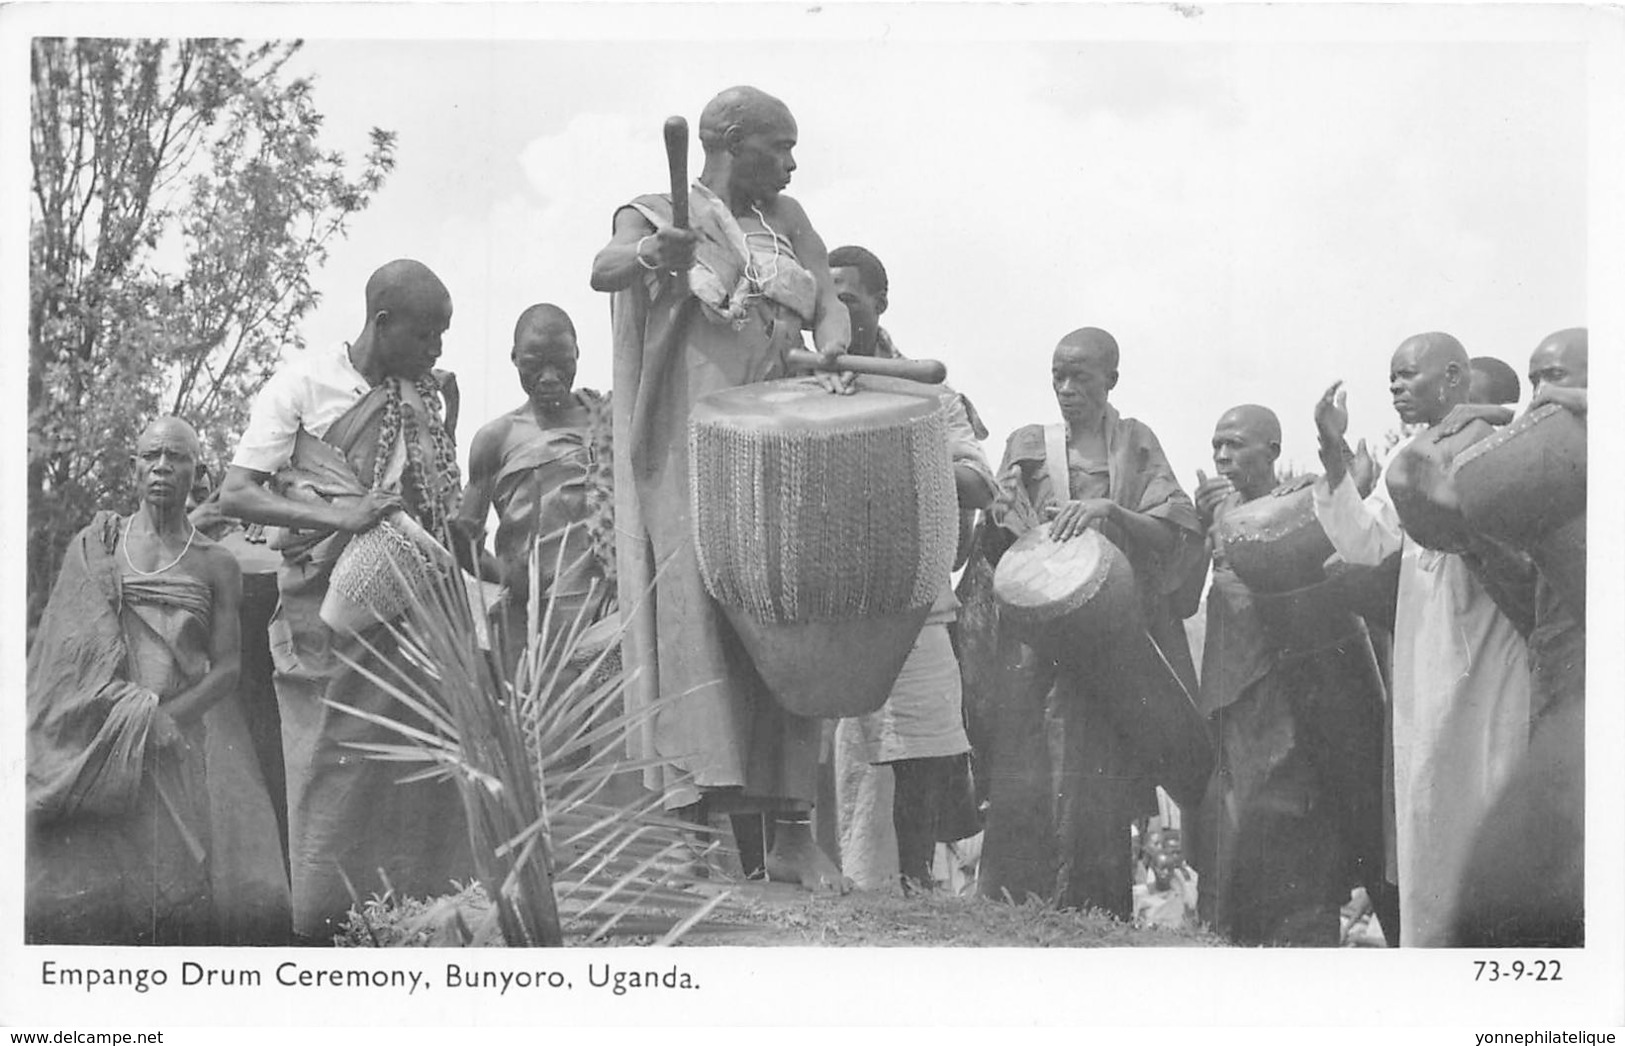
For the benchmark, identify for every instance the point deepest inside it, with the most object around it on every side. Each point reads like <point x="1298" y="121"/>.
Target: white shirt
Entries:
<point x="312" y="390"/>
<point x="1461" y="702"/>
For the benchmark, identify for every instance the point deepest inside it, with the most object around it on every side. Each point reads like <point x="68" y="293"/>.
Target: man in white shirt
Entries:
<point x="1460" y="673"/>
<point x="378" y="402"/>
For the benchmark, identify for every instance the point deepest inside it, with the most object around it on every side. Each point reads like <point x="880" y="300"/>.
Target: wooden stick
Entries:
<point x="677" y="163"/>
<point x="929" y="372"/>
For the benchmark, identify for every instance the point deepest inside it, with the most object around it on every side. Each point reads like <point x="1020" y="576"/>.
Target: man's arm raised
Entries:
<point x="637" y="247"/>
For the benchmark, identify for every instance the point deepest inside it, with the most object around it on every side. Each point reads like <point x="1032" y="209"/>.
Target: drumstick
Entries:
<point x="929" y="372"/>
<point x="677" y="162"/>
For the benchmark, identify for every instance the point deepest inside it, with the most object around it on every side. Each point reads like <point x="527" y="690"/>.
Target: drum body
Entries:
<point x="1526" y="486"/>
<point x="1067" y="599"/>
<point x="1076" y="603"/>
<point x="1424" y="491"/>
<point x="825" y="527"/>
<point x="382" y="573"/>
<point x="1274" y="543"/>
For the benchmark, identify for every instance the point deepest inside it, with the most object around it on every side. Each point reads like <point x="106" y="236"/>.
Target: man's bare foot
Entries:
<point x="796" y="858"/>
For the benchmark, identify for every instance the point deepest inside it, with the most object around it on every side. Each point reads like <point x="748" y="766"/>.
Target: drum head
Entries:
<point x="1039" y="578"/>
<point x="802" y="405"/>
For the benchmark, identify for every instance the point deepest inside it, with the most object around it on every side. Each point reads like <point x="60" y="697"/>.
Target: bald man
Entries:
<point x="1460" y="671"/>
<point x="379" y="403"/>
<point x="696" y="310"/>
<point x="1525" y="884"/>
<point x="149" y="822"/>
<point x="1291" y="690"/>
<point x="533" y="465"/>
<point x="1093" y="468"/>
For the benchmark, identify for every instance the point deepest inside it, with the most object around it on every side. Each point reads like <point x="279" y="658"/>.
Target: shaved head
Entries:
<point x="542" y="321"/>
<point x="405" y="285"/>
<point x="1246" y="442"/>
<point x="1092" y="340"/>
<point x="1254" y="420"/>
<point x="1562" y="359"/>
<point x="169" y="427"/>
<point x="1429" y="374"/>
<point x="1436" y="347"/>
<point x="750" y="109"/>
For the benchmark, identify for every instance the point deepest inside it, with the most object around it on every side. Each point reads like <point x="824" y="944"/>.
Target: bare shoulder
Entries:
<point x="788" y="212"/>
<point x="219" y="565"/>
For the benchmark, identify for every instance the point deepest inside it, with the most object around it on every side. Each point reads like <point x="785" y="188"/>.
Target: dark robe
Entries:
<point x="1293" y="815"/>
<point x="1064" y="782"/>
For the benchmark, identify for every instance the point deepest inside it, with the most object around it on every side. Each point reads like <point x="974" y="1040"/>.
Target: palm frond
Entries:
<point x="533" y="730"/>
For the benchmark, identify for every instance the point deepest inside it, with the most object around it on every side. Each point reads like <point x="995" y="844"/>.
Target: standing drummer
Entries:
<point x="1525" y="883"/>
<point x="696" y="310"/>
<point x="1119" y="481"/>
<point x="919" y="733"/>
<point x="1293" y="817"/>
<point x="1460" y="673"/>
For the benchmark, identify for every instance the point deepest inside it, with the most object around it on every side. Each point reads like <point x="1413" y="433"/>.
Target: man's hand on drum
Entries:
<point x="364" y="513"/>
<point x="1568" y="397"/>
<point x="1210" y="493"/>
<point x="1464" y="414"/>
<point x="1069" y="520"/>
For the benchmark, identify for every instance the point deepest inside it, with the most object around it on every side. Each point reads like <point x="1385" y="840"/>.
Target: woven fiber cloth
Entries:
<point x="852" y="521"/>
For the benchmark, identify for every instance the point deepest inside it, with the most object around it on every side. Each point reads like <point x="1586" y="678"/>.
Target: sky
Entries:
<point x="1255" y="200"/>
<point x="1250" y="219"/>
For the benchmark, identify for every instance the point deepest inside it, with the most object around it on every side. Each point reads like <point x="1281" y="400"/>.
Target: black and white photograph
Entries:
<point x="953" y="514"/>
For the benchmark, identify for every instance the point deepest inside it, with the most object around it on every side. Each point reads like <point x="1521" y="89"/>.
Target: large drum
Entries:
<point x="1424" y="492"/>
<point x="1076" y="603"/>
<point x="1066" y="599"/>
<point x="1526" y="485"/>
<point x="1274" y="543"/>
<point x="825" y="528"/>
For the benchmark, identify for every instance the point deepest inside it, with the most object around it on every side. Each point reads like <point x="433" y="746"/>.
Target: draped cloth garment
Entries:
<point x="1293" y="817"/>
<point x="350" y="816"/>
<point x="1064" y="783"/>
<point x="540" y="496"/>
<point x="187" y="853"/>
<point x="1460" y="697"/>
<point x="678" y="338"/>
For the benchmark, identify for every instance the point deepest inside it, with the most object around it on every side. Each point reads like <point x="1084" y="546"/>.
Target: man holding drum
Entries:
<point x="695" y="310"/>
<point x="1112" y="475"/>
<point x="1460" y="673"/>
<point x="379" y="402"/>
<point x="1525" y="883"/>
<point x="1290" y="686"/>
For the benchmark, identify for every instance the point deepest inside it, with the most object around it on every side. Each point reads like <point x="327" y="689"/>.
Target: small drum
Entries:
<point x="825" y="527"/>
<point x="382" y="573"/>
<point x="1526" y="485"/>
<point x="1066" y="598"/>
<point x="1423" y="491"/>
<point x="1275" y="543"/>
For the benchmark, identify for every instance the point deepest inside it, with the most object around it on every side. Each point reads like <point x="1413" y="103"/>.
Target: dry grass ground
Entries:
<point x="777" y="915"/>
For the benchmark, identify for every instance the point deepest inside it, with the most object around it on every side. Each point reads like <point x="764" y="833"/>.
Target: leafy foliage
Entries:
<point x="180" y="203"/>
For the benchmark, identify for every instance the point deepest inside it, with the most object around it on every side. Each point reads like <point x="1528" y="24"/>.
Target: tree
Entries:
<point x="180" y="203"/>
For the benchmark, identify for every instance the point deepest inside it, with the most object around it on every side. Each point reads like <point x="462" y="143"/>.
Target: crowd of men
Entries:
<point x="1417" y="735"/>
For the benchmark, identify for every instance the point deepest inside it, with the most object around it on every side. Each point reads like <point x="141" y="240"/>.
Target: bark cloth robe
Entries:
<point x="349" y="815"/>
<point x="1293" y="819"/>
<point x="1068" y="838"/>
<point x="724" y="323"/>
<point x="1460" y="696"/>
<point x="540" y="493"/>
<point x="130" y="843"/>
